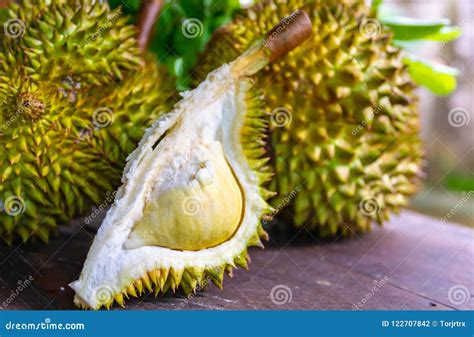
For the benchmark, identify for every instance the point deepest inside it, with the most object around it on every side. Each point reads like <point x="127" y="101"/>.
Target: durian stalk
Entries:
<point x="284" y="37"/>
<point x="147" y="17"/>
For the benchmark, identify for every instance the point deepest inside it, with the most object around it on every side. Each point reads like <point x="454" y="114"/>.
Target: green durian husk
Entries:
<point x="350" y="153"/>
<point x="76" y="95"/>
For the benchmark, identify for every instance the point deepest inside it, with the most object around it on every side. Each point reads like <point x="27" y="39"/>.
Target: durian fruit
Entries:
<point x="192" y="195"/>
<point x="75" y="98"/>
<point x="344" y="131"/>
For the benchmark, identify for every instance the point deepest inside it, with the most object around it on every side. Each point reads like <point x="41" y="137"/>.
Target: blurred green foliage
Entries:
<point x="3" y="13"/>
<point x="177" y="42"/>
<point x="458" y="182"/>
<point x="438" y="78"/>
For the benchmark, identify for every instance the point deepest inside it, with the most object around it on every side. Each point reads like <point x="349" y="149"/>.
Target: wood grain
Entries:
<point x="410" y="263"/>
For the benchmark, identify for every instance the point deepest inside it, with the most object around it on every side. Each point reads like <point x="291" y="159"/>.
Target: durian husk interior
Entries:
<point x="349" y="151"/>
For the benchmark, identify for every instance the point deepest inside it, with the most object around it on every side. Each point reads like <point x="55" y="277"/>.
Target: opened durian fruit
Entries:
<point x="344" y="141"/>
<point x="66" y="128"/>
<point x="192" y="195"/>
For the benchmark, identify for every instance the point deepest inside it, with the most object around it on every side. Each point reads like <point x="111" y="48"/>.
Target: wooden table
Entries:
<point x="411" y="263"/>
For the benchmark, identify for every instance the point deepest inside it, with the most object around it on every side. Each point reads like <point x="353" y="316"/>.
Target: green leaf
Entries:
<point x="445" y="34"/>
<point x="178" y="67"/>
<point x="458" y="182"/>
<point x="130" y="7"/>
<point x="405" y="28"/>
<point x="375" y="5"/>
<point x="193" y="8"/>
<point x="174" y="50"/>
<point x="438" y="78"/>
<point x="3" y="14"/>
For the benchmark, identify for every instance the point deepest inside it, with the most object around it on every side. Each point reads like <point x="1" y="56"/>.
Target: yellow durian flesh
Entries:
<point x="201" y="211"/>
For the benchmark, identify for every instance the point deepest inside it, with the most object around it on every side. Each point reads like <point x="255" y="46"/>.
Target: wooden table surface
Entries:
<point x="413" y="262"/>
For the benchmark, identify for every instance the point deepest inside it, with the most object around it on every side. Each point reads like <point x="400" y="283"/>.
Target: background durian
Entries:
<point x="345" y="124"/>
<point x="75" y="97"/>
<point x="123" y="68"/>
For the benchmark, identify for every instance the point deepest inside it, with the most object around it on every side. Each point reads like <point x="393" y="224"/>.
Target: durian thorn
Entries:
<point x="119" y="299"/>
<point x="154" y="276"/>
<point x="139" y="285"/>
<point x="229" y="270"/>
<point x="255" y="241"/>
<point x="263" y="234"/>
<point x="168" y="285"/>
<point x="164" y="273"/>
<point x="176" y="275"/>
<point x="217" y="276"/>
<point x="146" y="281"/>
<point x="131" y="290"/>
<point x="157" y="291"/>
<point x="217" y="283"/>
<point x="241" y="261"/>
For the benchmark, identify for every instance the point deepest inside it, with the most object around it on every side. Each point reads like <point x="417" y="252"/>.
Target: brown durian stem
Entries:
<point x="288" y="34"/>
<point x="284" y="37"/>
<point x="147" y="17"/>
<point x="4" y="3"/>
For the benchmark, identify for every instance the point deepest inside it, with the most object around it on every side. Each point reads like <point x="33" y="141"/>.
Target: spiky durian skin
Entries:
<point x="189" y="280"/>
<point x="75" y="97"/>
<point x="337" y="169"/>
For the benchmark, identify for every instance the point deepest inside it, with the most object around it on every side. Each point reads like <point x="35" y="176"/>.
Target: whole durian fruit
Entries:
<point x="75" y="98"/>
<point x="192" y="197"/>
<point x="344" y="131"/>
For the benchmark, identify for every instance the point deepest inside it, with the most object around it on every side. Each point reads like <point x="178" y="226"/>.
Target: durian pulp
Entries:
<point x="196" y="206"/>
<point x="192" y="154"/>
